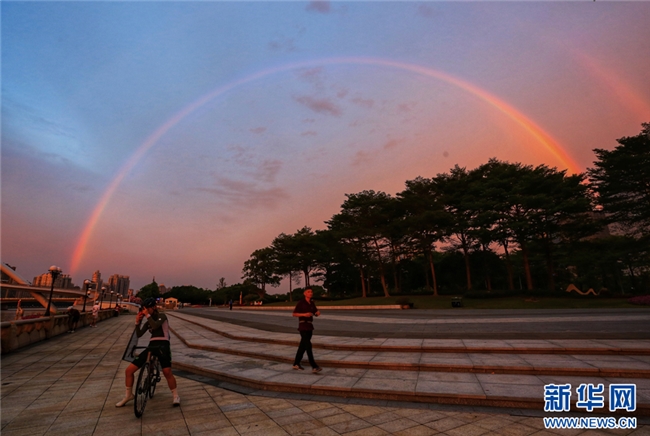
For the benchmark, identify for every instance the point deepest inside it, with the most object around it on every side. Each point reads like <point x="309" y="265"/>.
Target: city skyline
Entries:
<point x="174" y="139"/>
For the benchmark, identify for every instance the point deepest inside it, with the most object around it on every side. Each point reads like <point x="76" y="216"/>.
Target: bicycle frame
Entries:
<point x="149" y="376"/>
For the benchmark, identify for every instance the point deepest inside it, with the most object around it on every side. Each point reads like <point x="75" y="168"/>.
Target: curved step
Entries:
<point x="201" y="337"/>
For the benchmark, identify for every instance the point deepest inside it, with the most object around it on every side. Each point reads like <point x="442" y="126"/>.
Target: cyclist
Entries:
<point x="158" y="324"/>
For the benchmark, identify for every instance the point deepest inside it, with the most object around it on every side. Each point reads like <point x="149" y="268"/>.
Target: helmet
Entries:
<point x="149" y="302"/>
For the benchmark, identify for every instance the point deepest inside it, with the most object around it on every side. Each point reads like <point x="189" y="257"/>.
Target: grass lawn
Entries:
<point x="518" y="302"/>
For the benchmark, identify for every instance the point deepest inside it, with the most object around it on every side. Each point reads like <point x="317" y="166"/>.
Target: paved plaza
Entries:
<point x="69" y="384"/>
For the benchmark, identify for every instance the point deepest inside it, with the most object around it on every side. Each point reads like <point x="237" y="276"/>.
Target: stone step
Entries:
<point x="200" y="336"/>
<point x="527" y="346"/>
<point x="496" y="390"/>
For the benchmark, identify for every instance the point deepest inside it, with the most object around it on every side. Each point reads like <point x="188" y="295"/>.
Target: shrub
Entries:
<point x="641" y="300"/>
<point x="250" y="298"/>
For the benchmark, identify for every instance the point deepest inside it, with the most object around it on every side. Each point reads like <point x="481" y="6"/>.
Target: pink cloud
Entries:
<point x="258" y="130"/>
<point x="367" y="103"/>
<point x="267" y="170"/>
<point x="319" y="105"/>
<point x="282" y="44"/>
<point x="245" y="194"/>
<point x="405" y="107"/>
<point x="391" y="144"/>
<point x="342" y="93"/>
<point x="426" y="11"/>
<point x="319" y="6"/>
<point x="311" y="73"/>
<point x="361" y="157"/>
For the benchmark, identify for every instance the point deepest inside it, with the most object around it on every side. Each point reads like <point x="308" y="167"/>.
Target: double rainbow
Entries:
<point x="543" y="138"/>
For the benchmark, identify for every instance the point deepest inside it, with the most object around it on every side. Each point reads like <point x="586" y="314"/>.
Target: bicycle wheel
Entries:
<point x="141" y="391"/>
<point x="155" y="375"/>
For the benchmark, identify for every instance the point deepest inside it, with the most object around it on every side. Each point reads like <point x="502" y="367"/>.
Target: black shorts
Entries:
<point x="160" y="349"/>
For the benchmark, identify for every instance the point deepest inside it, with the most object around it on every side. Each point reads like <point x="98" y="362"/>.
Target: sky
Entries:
<point x="172" y="139"/>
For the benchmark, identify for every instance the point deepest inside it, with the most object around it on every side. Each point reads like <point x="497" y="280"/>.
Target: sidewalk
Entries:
<point x="68" y="385"/>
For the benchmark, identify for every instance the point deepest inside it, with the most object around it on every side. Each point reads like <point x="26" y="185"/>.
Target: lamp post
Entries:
<point x="101" y="301"/>
<point x="87" y="294"/>
<point x="54" y="272"/>
<point x="111" y="300"/>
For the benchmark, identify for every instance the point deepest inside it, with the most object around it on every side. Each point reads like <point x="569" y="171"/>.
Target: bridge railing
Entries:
<point x="20" y="333"/>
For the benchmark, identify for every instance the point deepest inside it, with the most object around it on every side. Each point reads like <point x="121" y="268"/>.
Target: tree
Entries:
<point x="222" y="283"/>
<point x="150" y="290"/>
<point x="364" y="222"/>
<point x="301" y="251"/>
<point x="261" y="269"/>
<point x="528" y="205"/>
<point x="337" y="273"/>
<point x="497" y="207"/>
<point x="621" y="178"/>
<point x="566" y="216"/>
<point x="425" y="220"/>
<point x="460" y="200"/>
<point x="190" y="294"/>
<point x="352" y="245"/>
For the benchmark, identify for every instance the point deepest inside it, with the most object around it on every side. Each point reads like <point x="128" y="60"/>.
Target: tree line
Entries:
<point x="499" y="226"/>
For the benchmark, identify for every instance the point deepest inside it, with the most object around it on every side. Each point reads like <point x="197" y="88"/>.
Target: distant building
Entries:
<point x="163" y="289"/>
<point x="97" y="281"/>
<point x="63" y="281"/>
<point x="119" y="284"/>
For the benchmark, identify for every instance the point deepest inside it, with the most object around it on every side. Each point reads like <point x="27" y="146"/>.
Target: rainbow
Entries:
<point x="619" y="89"/>
<point x="529" y="126"/>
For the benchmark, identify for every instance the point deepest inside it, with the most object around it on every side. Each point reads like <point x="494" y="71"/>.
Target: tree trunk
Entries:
<point x="290" y="286"/>
<point x="433" y="274"/>
<point x="632" y="276"/>
<point x="550" y="271"/>
<point x="467" y="268"/>
<point x="364" y="292"/>
<point x="426" y="272"/>
<point x="395" y="279"/>
<point x="488" y="277"/>
<point x="511" y="279"/>
<point x="382" y="275"/>
<point x="529" y="277"/>
<point x="306" y="272"/>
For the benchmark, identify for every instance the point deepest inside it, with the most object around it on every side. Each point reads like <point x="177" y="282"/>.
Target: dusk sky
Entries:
<point x="172" y="139"/>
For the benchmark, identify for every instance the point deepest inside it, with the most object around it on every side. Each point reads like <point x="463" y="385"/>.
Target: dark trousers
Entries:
<point x="305" y="345"/>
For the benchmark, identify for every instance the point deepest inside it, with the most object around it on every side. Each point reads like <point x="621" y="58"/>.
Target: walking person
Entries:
<point x="305" y="311"/>
<point x="158" y="325"/>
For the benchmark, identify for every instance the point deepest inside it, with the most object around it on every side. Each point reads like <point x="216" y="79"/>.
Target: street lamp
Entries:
<point x="54" y="272"/>
<point x="101" y="301"/>
<point x="111" y="300"/>
<point x="87" y="284"/>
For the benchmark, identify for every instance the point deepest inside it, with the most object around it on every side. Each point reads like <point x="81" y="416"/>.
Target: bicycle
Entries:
<point x="146" y="386"/>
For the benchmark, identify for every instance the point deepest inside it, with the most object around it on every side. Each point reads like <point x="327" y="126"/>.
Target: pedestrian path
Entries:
<point x="503" y="373"/>
<point x="68" y="386"/>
